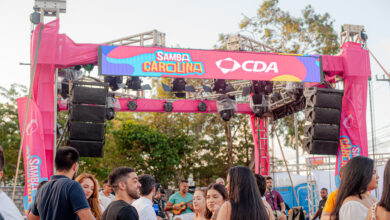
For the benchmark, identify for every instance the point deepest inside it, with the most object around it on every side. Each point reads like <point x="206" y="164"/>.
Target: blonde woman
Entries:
<point x="199" y="203"/>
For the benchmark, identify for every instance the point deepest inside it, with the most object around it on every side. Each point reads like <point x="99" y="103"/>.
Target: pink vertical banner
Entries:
<point x="33" y="150"/>
<point x="353" y="126"/>
<point x="43" y="86"/>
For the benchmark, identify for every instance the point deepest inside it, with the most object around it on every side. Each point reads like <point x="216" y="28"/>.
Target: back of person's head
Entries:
<point x="117" y="175"/>
<point x="147" y="184"/>
<point x="357" y="174"/>
<point x="261" y="183"/>
<point x="220" y="189"/>
<point x="162" y="191"/>
<point x="41" y="184"/>
<point x="66" y="157"/>
<point x="244" y="195"/>
<point x="385" y="200"/>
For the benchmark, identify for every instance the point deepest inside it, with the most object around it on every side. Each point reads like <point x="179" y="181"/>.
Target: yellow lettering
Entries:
<point x="180" y="67"/>
<point x="146" y="66"/>
<point x="198" y="68"/>
<point x="153" y="67"/>
<point x="172" y="69"/>
<point x="161" y="67"/>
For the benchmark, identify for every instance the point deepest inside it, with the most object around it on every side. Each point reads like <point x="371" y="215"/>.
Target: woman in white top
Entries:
<point x="381" y="210"/>
<point x="353" y="199"/>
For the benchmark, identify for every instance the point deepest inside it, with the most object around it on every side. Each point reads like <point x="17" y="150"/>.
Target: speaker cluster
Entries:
<point x="87" y="116"/>
<point x="322" y="125"/>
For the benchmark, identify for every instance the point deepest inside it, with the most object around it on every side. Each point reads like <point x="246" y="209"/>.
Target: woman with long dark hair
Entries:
<point x="90" y="187"/>
<point x="216" y="196"/>
<point x="352" y="200"/>
<point x="381" y="210"/>
<point x="262" y="186"/>
<point x="244" y="197"/>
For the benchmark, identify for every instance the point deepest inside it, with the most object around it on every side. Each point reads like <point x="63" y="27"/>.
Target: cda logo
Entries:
<point x="256" y="66"/>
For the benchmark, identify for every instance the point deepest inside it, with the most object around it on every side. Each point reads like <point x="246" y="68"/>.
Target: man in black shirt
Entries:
<point x="124" y="182"/>
<point x="62" y="197"/>
<point x="321" y="205"/>
<point x="160" y="203"/>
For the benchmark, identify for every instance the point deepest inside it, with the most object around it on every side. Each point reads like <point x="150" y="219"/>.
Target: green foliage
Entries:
<point x="308" y="34"/>
<point x="9" y="130"/>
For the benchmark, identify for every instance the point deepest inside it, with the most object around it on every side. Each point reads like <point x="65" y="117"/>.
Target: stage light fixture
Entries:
<point x="168" y="107"/>
<point x="134" y="83"/>
<point x="226" y="106"/>
<point x="178" y="85"/>
<point x="259" y="104"/>
<point x="202" y="107"/>
<point x="115" y="82"/>
<point x="35" y="17"/>
<point x="110" y="111"/>
<point x="219" y="86"/>
<point x="262" y="87"/>
<point x="132" y="105"/>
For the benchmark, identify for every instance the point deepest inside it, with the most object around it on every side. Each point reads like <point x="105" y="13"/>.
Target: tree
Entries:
<point x="152" y="151"/>
<point x="310" y="33"/>
<point x="9" y="130"/>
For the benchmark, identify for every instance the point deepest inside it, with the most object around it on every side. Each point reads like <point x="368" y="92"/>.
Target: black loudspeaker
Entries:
<point x="320" y="146"/>
<point x="88" y="148"/>
<point x="322" y="132"/>
<point x="88" y="113"/>
<point x="89" y="93"/>
<point x="86" y="131"/>
<point x="323" y="114"/>
<point x="324" y="98"/>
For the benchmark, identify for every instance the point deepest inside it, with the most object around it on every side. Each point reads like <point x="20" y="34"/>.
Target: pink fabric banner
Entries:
<point x="353" y="128"/>
<point x="43" y="86"/>
<point x="33" y="150"/>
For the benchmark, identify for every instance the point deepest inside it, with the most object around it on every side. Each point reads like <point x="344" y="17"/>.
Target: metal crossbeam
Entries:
<point x="149" y="38"/>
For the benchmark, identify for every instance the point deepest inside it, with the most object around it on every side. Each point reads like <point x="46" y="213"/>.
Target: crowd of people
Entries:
<point x="245" y="196"/>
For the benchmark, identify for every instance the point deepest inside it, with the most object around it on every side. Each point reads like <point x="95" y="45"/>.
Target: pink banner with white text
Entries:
<point x="33" y="150"/>
<point x="208" y="64"/>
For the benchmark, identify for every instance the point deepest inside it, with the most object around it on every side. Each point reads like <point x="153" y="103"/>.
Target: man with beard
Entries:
<point x="181" y="203"/>
<point x="62" y="197"/>
<point x="124" y="182"/>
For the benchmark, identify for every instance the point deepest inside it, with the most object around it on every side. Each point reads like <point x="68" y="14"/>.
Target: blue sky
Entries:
<point x="188" y="24"/>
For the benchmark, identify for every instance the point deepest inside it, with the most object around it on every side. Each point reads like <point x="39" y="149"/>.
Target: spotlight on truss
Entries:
<point x="178" y="87"/>
<point x="221" y="87"/>
<point x="115" y="82"/>
<point x="226" y="106"/>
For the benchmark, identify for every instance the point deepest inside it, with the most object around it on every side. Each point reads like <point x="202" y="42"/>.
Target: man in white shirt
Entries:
<point x="105" y="195"/>
<point x="144" y="204"/>
<point x="8" y="209"/>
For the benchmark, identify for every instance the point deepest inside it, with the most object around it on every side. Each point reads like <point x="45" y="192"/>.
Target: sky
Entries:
<point x="189" y="24"/>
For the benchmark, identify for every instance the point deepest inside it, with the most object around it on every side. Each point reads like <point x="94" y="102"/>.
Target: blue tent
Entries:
<point x="283" y="186"/>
